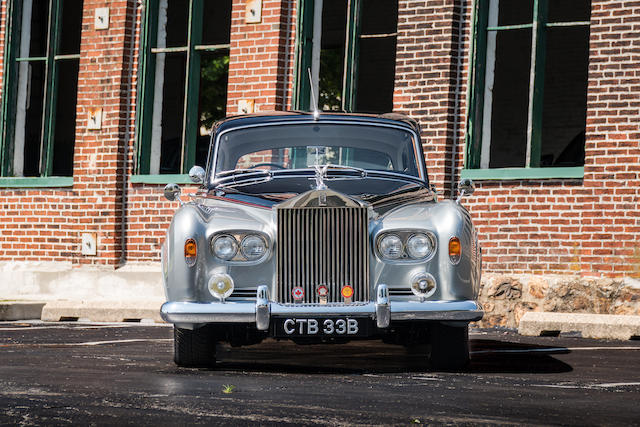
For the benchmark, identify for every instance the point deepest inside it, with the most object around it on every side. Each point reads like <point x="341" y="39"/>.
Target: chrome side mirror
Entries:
<point x="172" y="192"/>
<point x="466" y="187"/>
<point x="196" y="174"/>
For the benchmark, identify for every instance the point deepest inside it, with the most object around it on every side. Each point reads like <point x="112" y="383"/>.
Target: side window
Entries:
<point x="529" y="88"/>
<point x="39" y="107"/>
<point x="184" y="86"/>
<point x="349" y="47"/>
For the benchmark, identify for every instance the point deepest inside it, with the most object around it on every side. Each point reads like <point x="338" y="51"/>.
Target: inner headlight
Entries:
<point x="224" y="247"/>
<point x="390" y="246"/>
<point x="253" y="247"/>
<point x="420" y="246"/>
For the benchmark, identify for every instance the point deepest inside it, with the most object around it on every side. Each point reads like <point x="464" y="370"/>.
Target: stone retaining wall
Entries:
<point x="506" y="297"/>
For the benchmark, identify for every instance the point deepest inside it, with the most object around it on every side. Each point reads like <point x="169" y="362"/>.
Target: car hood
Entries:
<point x="382" y="194"/>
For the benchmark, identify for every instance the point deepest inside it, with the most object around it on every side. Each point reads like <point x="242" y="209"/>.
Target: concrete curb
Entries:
<point x="102" y="311"/>
<point x="19" y="310"/>
<point x="608" y="326"/>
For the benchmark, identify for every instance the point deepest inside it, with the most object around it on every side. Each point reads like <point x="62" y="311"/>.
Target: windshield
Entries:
<point x="300" y="146"/>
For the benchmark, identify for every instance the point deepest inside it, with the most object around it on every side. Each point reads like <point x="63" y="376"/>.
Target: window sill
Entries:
<point x="524" y="173"/>
<point x="36" y="182"/>
<point x="161" y="179"/>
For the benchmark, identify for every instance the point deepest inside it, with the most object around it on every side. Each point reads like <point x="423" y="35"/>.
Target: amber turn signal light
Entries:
<point x="347" y="291"/>
<point x="190" y="252"/>
<point x="455" y="250"/>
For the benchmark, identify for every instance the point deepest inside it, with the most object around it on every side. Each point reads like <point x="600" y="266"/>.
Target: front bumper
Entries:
<point x="261" y="311"/>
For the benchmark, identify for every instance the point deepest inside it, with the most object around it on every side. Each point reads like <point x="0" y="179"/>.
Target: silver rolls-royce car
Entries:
<point x="319" y="228"/>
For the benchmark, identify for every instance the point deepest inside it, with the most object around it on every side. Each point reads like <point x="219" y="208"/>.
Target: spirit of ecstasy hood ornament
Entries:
<point x="321" y="172"/>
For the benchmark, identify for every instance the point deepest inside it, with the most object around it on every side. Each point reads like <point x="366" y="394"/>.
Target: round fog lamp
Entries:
<point x="220" y="285"/>
<point x="423" y="285"/>
<point x="420" y="246"/>
<point x="253" y="247"/>
<point x="224" y="247"/>
<point x="390" y="246"/>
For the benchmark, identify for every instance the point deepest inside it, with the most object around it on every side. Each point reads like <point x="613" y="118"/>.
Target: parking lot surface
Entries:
<point x="64" y="373"/>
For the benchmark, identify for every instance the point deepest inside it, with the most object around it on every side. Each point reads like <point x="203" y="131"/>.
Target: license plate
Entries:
<point x="321" y="327"/>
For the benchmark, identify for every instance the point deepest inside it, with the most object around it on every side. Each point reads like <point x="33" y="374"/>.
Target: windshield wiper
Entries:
<point x="242" y="176"/>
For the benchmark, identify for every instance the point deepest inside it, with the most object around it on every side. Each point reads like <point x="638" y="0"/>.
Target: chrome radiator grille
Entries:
<point x="323" y="246"/>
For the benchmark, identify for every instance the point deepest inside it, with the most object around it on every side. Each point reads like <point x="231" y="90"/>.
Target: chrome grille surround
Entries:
<point x="322" y="246"/>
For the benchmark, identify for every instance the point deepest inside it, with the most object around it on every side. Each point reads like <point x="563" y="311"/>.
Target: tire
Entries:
<point x="449" y="347"/>
<point x="194" y="348"/>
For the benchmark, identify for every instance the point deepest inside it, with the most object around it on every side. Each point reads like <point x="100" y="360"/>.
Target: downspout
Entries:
<point x="137" y="4"/>
<point x="287" y="48"/>
<point x="456" y="104"/>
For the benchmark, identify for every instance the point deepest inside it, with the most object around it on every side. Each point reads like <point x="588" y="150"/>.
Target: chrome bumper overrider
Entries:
<point x="261" y="311"/>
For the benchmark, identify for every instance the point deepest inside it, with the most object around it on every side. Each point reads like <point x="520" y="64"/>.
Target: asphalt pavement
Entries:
<point x="108" y="374"/>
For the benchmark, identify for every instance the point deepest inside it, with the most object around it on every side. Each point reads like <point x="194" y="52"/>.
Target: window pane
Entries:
<point x="173" y="21"/>
<point x="28" y="133"/>
<point x="379" y="16"/>
<point x="39" y="26"/>
<point x="569" y="10"/>
<point x="217" y="22"/>
<point x="71" y="27"/>
<point x="65" y="117"/>
<point x="565" y="96"/>
<point x="172" y="112"/>
<point x="376" y="72"/>
<point x="334" y="20"/>
<point x="214" y="73"/>
<point x="515" y="12"/>
<point x="510" y="98"/>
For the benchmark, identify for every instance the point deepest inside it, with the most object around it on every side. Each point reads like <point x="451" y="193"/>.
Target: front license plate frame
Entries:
<point x="318" y="326"/>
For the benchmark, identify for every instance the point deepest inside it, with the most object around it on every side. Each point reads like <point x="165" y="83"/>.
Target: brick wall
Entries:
<point x="587" y="226"/>
<point x="259" y="66"/>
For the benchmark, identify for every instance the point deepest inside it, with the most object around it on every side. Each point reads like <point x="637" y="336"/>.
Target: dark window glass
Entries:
<point x="172" y="113"/>
<point x="376" y="72"/>
<point x="39" y="28"/>
<point x="379" y="17"/>
<point x="510" y="104"/>
<point x="65" y="118"/>
<point x="565" y="96"/>
<point x="569" y="10"/>
<point x="71" y="27"/>
<point x="214" y="73"/>
<point x="177" y="23"/>
<point x="34" y="111"/>
<point x="377" y="56"/>
<point x="334" y="27"/>
<point x="216" y="26"/>
<point x="515" y="12"/>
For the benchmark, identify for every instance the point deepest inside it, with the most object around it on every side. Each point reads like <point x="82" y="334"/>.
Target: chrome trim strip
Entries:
<point x="245" y="312"/>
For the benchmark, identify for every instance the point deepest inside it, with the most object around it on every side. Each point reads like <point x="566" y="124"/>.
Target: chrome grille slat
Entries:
<point x="326" y="245"/>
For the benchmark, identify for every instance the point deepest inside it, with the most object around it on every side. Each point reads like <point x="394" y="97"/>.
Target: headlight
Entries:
<point x="224" y="247"/>
<point x="253" y="247"/>
<point x="420" y="246"/>
<point x="220" y="285"/>
<point x="390" y="246"/>
<point x="423" y="285"/>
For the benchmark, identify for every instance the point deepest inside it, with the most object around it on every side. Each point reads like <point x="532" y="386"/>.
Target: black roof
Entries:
<point x="304" y="116"/>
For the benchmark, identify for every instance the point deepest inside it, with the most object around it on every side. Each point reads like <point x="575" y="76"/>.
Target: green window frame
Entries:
<point x="17" y="62"/>
<point x="307" y="71"/>
<point x="193" y="49"/>
<point x="481" y="29"/>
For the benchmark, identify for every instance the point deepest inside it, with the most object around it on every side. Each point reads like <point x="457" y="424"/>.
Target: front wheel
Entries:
<point x="449" y="347"/>
<point x="194" y="348"/>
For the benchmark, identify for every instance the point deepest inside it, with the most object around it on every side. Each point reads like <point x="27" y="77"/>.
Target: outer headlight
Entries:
<point x="390" y="246"/>
<point x="253" y="247"/>
<point x="224" y="247"/>
<point x="420" y="246"/>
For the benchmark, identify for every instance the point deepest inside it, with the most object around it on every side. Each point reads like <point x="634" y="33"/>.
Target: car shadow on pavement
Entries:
<point x="371" y="357"/>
